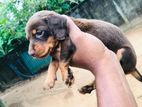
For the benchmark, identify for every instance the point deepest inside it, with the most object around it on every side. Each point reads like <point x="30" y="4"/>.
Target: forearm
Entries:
<point x="111" y="85"/>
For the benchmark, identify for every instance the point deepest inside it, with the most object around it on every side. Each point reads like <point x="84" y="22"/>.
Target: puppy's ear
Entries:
<point x="58" y="26"/>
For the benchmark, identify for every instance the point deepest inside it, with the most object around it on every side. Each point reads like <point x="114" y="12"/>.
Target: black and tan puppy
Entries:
<point x="48" y="34"/>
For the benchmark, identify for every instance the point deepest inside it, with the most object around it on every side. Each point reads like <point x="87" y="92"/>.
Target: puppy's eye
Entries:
<point x="39" y="34"/>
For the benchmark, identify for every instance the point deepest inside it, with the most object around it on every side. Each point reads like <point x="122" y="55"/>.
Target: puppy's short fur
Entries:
<point x="48" y="34"/>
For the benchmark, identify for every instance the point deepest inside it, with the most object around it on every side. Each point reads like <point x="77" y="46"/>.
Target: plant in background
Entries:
<point x="62" y="6"/>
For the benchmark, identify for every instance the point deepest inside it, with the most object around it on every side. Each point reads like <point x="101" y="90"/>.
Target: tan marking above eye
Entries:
<point x="34" y="31"/>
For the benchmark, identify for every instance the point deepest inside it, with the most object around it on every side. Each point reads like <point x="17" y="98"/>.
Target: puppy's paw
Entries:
<point x="86" y="89"/>
<point x="70" y="78"/>
<point x="48" y="84"/>
<point x="69" y="81"/>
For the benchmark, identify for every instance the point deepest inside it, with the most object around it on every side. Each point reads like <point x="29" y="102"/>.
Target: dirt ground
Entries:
<point x="30" y="93"/>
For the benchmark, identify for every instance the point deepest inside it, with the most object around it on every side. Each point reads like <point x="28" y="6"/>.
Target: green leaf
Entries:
<point x="3" y="21"/>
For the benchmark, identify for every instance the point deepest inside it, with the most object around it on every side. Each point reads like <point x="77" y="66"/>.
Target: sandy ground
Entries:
<point x="30" y="93"/>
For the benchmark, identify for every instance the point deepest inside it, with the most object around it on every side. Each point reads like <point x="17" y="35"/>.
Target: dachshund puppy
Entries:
<point x="48" y="34"/>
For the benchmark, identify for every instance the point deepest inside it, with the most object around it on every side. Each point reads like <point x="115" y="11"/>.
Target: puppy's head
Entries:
<point x="44" y="30"/>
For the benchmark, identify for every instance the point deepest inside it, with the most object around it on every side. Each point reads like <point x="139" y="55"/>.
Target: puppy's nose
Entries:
<point x="31" y="53"/>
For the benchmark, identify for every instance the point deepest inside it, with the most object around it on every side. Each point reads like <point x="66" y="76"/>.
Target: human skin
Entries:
<point x="111" y="85"/>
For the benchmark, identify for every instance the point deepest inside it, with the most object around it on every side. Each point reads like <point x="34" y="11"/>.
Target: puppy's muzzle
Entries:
<point x="31" y="53"/>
